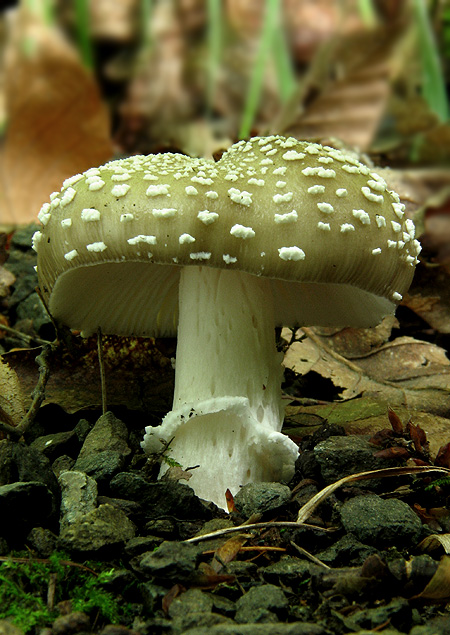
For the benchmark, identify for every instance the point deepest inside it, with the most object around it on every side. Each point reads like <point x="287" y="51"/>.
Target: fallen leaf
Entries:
<point x="438" y="588"/>
<point x="431" y="543"/>
<point x="227" y="552"/>
<point x="402" y="372"/>
<point x="57" y="123"/>
<point x="12" y="409"/>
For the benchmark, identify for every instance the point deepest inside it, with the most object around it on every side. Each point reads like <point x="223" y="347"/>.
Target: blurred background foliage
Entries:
<point x="84" y="81"/>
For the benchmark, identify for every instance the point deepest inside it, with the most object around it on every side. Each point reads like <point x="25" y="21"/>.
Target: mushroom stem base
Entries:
<point x="227" y="412"/>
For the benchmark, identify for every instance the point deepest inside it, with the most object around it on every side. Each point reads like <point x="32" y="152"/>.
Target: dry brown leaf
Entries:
<point x="348" y="87"/>
<point x="57" y="123"/>
<point x="404" y="372"/>
<point x="12" y="409"/>
<point x="436" y="541"/>
<point x="227" y="552"/>
<point x="438" y="588"/>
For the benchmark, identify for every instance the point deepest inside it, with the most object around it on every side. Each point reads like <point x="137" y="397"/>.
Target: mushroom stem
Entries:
<point x="227" y="412"/>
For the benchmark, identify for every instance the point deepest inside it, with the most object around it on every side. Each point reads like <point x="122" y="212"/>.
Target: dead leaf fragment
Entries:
<point x="438" y="588"/>
<point x="436" y="541"/>
<point x="57" y="123"/>
<point x="12" y="409"/>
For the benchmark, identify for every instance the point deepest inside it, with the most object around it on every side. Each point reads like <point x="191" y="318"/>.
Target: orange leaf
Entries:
<point x="57" y="123"/>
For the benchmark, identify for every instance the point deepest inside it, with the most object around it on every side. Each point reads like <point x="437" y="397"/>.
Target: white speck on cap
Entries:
<point x="396" y="226"/>
<point x="291" y="253"/>
<point x="71" y="181"/>
<point x="376" y="251"/>
<point x="293" y="155"/>
<point x="325" y="160"/>
<point x="312" y="149"/>
<point x="380" y="220"/>
<point x="316" y="189"/>
<point x="212" y="194"/>
<point x="120" y="189"/>
<point x="70" y="255"/>
<point x="347" y="227"/>
<point x="153" y="177"/>
<point x="326" y="208"/>
<point x="66" y="222"/>
<point x="186" y="239"/>
<point x="68" y="196"/>
<point x="126" y="218"/>
<point x="165" y="212"/>
<point x="281" y="170"/>
<point x="242" y="198"/>
<point x="266" y="162"/>
<point x="142" y="238"/>
<point x="399" y="209"/>
<point x="121" y="177"/>
<point x="321" y="172"/>
<point x="229" y="260"/>
<point x="44" y="214"/>
<point x="258" y="182"/>
<point x="96" y="247"/>
<point x="200" y="255"/>
<point x="96" y="185"/>
<point x="36" y="239"/>
<point x="341" y="192"/>
<point x="410" y="227"/>
<point x="207" y="217"/>
<point x="324" y="226"/>
<point x="289" y="217"/>
<point x="392" y="244"/>
<point x="370" y="196"/>
<point x="396" y="296"/>
<point x="280" y="184"/>
<point x="378" y="186"/>
<point x="351" y="169"/>
<point x="158" y="190"/>
<point x="362" y="216"/>
<point x="90" y="215"/>
<point x="231" y="176"/>
<point x="202" y="180"/>
<point x="283" y="198"/>
<point x="240" y="231"/>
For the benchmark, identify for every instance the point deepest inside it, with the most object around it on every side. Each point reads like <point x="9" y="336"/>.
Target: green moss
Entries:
<point x="24" y="585"/>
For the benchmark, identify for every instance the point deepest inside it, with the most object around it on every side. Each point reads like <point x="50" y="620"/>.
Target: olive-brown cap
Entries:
<point x="320" y="224"/>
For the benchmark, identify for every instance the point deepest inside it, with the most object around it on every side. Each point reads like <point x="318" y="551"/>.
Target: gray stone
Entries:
<point x="19" y="462"/>
<point x="42" y="541"/>
<point x="288" y="570"/>
<point x="263" y="603"/>
<point x="347" y="551"/>
<point x="102" y="466"/>
<point x="78" y="497"/>
<point x="341" y="456"/>
<point x="8" y="628"/>
<point x="296" y="628"/>
<point x="257" y="498"/>
<point x="160" y="499"/>
<point x="57" y="444"/>
<point x="382" y="523"/>
<point x="108" y="433"/>
<point x="192" y="601"/>
<point x="397" y="614"/>
<point x="172" y="561"/>
<point x="102" y="527"/>
<point x="24" y="505"/>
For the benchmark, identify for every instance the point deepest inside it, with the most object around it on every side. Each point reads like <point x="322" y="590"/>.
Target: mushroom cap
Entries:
<point x="321" y="225"/>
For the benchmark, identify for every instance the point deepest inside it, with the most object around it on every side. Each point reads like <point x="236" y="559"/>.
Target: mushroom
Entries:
<point x="277" y="232"/>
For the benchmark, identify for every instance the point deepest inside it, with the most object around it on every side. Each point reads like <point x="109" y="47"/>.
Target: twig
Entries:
<point x="24" y="336"/>
<point x="308" y="555"/>
<point x="242" y="528"/>
<point x="101" y="364"/>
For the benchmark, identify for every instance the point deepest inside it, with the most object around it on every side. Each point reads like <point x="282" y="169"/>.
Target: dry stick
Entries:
<point x="102" y="369"/>
<point x="23" y="336"/>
